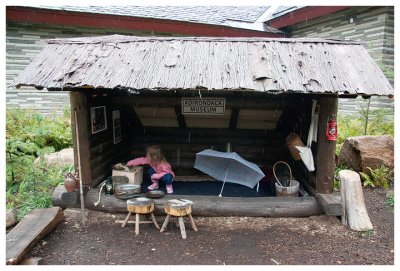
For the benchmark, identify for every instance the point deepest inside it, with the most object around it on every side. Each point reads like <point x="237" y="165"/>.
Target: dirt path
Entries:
<point x="223" y="240"/>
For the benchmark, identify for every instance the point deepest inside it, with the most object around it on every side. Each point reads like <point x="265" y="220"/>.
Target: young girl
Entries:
<point x="159" y="169"/>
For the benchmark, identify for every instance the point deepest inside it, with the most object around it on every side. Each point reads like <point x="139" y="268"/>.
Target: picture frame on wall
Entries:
<point x="117" y="132"/>
<point x="98" y="119"/>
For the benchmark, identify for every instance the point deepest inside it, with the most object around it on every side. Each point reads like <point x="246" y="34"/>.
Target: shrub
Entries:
<point x="380" y="177"/>
<point x="28" y="136"/>
<point x="354" y="125"/>
<point x="390" y="201"/>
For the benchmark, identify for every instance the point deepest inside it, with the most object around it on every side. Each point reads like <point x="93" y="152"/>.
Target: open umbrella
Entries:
<point x="228" y="167"/>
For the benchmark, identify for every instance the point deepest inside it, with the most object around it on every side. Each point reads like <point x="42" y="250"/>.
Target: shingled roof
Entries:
<point x="247" y="64"/>
<point x="213" y="15"/>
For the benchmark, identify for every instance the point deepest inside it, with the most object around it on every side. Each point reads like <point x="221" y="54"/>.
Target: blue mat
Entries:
<point x="212" y="188"/>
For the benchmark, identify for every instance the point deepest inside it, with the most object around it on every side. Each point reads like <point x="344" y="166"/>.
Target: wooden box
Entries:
<point x="135" y="175"/>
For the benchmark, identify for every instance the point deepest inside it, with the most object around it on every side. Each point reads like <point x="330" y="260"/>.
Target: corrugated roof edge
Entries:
<point x="123" y="39"/>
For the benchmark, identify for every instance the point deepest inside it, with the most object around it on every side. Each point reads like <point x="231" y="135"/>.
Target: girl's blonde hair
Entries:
<point x="155" y="155"/>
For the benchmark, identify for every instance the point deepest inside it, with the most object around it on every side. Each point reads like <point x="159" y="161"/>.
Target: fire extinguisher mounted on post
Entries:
<point x="331" y="128"/>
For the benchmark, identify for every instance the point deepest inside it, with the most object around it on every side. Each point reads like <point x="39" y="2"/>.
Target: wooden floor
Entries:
<point x="202" y="205"/>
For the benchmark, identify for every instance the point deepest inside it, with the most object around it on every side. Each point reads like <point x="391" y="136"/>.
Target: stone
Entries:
<point x="31" y="261"/>
<point x="360" y="152"/>
<point x="11" y="218"/>
<point x="64" y="157"/>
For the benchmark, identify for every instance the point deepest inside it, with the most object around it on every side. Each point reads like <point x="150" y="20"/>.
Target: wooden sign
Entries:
<point x="203" y="106"/>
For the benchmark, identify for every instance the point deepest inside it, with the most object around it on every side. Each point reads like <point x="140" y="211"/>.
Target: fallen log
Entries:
<point x="355" y="214"/>
<point x="217" y="206"/>
<point x="28" y="232"/>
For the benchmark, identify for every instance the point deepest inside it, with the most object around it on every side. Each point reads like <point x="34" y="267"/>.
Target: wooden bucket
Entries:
<point x="290" y="191"/>
<point x="286" y="191"/>
<point x="293" y="140"/>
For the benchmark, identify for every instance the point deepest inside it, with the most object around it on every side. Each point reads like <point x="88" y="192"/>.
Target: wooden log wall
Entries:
<point x="180" y="144"/>
<point x="103" y="152"/>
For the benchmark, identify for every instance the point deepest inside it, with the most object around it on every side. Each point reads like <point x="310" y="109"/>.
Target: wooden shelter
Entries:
<point x="188" y="94"/>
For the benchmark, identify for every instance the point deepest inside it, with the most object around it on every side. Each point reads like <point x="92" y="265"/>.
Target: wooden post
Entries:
<point x="325" y="160"/>
<point x="79" y="103"/>
<point x="355" y="213"/>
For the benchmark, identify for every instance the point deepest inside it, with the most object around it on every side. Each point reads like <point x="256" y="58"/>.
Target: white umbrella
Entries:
<point x="228" y="167"/>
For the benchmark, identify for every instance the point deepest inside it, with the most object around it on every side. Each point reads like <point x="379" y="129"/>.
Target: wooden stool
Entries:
<point x="140" y="206"/>
<point x="179" y="208"/>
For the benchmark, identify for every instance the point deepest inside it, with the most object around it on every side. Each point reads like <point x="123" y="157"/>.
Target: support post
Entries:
<point x="325" y="161"/>
<point x="79" y="103"/>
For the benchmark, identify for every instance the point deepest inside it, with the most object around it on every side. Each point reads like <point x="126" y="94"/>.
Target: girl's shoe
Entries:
<point x="169" y="188"/>
<point x="153" y="186"/>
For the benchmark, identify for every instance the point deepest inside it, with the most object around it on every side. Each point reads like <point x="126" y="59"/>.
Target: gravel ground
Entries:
<point x="223" y="240"/>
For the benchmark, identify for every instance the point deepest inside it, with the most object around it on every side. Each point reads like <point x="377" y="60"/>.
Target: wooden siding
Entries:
<point x="23" y="43"/>
<point x="180" y="144"/>
<point x="374" y="27"/>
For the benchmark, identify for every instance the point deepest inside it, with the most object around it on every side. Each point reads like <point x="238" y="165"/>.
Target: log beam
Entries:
<point x="35" y="225"/>
<point x="325" y="160"/>
<point x="79" y="103"/>
<point x="217" y="206"/>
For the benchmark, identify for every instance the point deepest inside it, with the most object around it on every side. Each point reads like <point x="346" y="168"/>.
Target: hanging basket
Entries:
<point x="293" y="140"/>
<point x="286" y="191"/>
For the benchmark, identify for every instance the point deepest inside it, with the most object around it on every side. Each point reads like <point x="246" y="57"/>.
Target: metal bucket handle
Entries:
<point x="290" y="171"/>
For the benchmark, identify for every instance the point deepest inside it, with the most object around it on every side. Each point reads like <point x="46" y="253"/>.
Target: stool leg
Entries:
<point x="192" y="222"/>
<point x="137" y="224"/>
<point x="164" y="225"/>
<point x="182" y="226"/>
<point x="154" y="221"/>
<point x="126" y="219"/>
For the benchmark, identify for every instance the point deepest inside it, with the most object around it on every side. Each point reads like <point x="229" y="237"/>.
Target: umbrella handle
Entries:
<point x="226" y="174"/>
<point x="290" y="171"/>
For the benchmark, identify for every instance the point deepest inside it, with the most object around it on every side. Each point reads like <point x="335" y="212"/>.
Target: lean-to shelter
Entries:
<point x="265" y="87"/>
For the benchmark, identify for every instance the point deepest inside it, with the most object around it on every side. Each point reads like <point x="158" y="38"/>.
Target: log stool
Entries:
<point x="140" y="206"/>
<point x="179" y="208"/>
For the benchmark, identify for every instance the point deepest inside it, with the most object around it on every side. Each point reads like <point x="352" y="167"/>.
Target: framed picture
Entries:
<point x="116" y="126"/>
<point x="98" y="119"/>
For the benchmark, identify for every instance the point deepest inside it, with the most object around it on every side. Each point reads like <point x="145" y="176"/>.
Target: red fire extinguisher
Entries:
<point x="331" y="128"/>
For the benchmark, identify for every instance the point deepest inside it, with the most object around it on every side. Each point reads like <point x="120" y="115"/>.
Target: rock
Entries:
<point x="31" y="261"/>
<point x="360" y="152"/>
<point x="11" y="218"/>
<point x="64" y="157"/>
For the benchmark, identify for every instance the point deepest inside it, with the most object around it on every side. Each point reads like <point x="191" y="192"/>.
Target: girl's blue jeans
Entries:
<point x="167" y="178"/>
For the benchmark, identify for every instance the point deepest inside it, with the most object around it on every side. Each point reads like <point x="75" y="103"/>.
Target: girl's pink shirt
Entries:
<point x="161" y="168"/>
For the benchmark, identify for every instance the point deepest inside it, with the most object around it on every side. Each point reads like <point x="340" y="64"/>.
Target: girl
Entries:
<point x="159" y="169"/>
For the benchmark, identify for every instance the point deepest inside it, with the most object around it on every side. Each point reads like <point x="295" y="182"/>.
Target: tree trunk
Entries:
<point x="355" y="214"/>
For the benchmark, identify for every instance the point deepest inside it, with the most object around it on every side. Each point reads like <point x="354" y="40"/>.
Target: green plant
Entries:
<point x="379" y="177"/>
<point x="354" y="125"/>
<point x="30" y="135"/>
<point x="390" y="201"/>
<point x="336" y="181"/>
<point x="367" y="233"/>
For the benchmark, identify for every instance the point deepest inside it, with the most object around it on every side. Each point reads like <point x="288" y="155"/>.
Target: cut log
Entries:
<point x="217" y="206"/>
<point x="182" y="211"/>
<point x="355" y="213"/>
<point x="30" y="231"/>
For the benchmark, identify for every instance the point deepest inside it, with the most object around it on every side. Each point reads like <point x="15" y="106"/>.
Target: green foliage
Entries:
<point x="44" y="131"/>
<point x="367" y="233"/>
<point x="336" y="182"/>
<point x="28" y="136"/>
<point x="390" y="201"/>
<point x="354" y="125"/>
<point x="379" y="177"/>
<point x="34" y="190"/>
